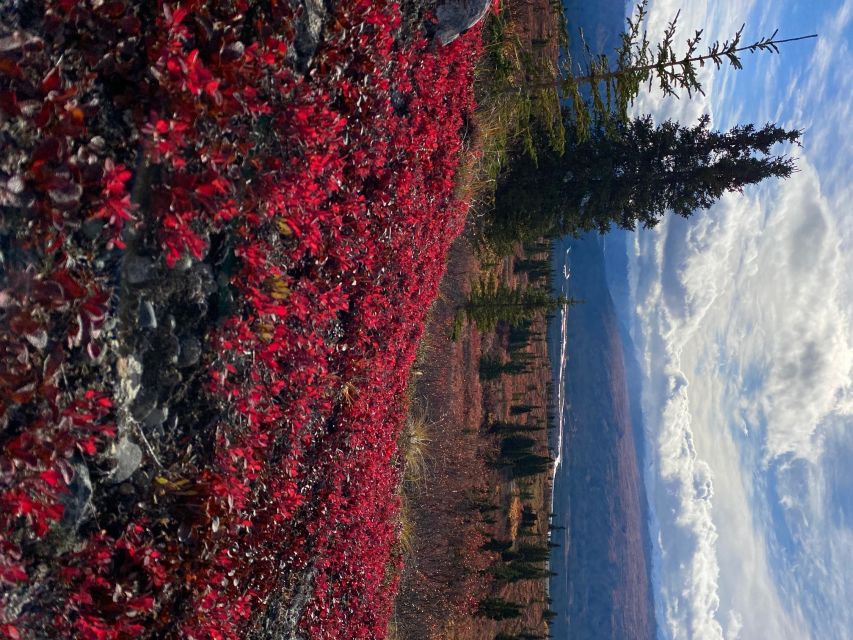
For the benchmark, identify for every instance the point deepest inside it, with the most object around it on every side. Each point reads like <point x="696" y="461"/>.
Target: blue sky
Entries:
<point x="743" y="324"/>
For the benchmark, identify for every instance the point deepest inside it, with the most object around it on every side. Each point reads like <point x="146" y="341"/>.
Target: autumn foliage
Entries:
<point x="319" y="205"/>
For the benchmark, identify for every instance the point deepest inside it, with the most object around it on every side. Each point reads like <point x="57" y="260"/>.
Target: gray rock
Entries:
<point x="310" y="18"/>
<point x="147" y="318"/>
<point x="190" y="352"/>
<point x="170" y="348"/>
<point x="284" y="609"/>
<point x="144" y="403"/>
<point x="92" y="229"/>
<point x="137" y="269"/>
<point x="128" y="457"/>
<point x="455" y="17"/>
<point x="78" y="499"/>
<point x="156" y="418"/>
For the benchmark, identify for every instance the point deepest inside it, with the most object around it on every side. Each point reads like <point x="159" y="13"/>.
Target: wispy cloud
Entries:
<point x="747" y="343"/>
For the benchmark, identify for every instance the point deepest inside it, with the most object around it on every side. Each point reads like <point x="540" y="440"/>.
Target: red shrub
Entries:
<point x="334" y="190"/>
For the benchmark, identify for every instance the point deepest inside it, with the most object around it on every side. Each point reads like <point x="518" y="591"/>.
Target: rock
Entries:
<point x="169" y="349"/>
<point x="156" y="418"/>
<point x="309" y="30"/>
<point x="127" y="489"/>
<point x="284" y="610"/>
<point x="455" y="17"/>
<point x="183" y="263"/>
<point x="92" y="229"/>
<point x="128" y="457"/>
<point x="129" y="370"/>
<point x="190" y="352"/>
<point x="78" y="498"/>
<point x="168" y="377"/>
<point x="147" y="318"/>
<point x="144" y="403"/>
<point x="137" y="269"/>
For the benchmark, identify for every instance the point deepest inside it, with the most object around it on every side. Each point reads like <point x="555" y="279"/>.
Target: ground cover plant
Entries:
<point x="220" y="233"/>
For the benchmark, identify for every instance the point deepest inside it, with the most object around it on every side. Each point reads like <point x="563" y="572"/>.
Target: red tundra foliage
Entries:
<point x="334" y="191"/>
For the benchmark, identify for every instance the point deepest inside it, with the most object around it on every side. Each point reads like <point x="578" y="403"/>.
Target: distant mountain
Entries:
<point x="603" y="589"/>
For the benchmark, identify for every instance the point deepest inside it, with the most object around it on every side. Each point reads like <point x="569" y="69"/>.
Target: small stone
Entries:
<point x="168" y="377"/>
<point x="144" y="404"/>
<point x="78" y="497"/>
<point x="455" y="17"/>
<point x="147" y="317"/>
<point x="137" y="269"/>
<point x="67" y="195"/>
<point x="128" y="457"/>
<point x="15" y="184"/>
<point x="156" y="418"/>
<point x="190" y="352"/>
<point x="38" y="339"/>
<point x="169" y="348"/>
<point x="92" y="228"/>
<point x="98" y="143"/>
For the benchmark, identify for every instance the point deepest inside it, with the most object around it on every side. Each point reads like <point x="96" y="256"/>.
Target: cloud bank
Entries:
<point x="744" y="336"/>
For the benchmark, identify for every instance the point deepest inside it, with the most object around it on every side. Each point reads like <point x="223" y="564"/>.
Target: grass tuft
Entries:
<point x="414" y="446"/>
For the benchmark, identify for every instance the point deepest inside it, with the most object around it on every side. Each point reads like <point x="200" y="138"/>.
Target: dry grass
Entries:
<point x="406" y="529"/>
<point x="414" y="446"/>
<point x="510" y="120"/>
<point x="514" y="517"/>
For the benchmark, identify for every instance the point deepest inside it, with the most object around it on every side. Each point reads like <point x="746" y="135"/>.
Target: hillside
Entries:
<point x="602" y="565"/>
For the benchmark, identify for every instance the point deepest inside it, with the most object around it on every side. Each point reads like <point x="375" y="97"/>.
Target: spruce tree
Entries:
<point x="492" y="368"/>
<point x="602" y="88"/>
<point x="499" y="609"/>
<point x="491" y="302"/>
<point x="632" y="179"/>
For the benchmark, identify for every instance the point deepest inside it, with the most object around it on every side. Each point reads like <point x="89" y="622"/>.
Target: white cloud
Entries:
<point x="746" y="341"/>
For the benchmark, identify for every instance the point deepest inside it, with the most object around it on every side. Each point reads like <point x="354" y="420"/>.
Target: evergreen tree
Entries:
<point x="602" y="93"/>
<point x="499" y="609"/>
<point x="519" y="336"/>
<point x="534" y="553"/>
<point x="515" y="571"/>
<point x="632" y="179"/>
<point x="516" y="447"/>
<point x="496" y="545"/>
<point x="530" y="465"/>
<point x="501" y="426"/>
<point x="493" y="368"/>
<point x="521" y="409"/>
<point x="528" y="517"/>
<point x="491" y="302"/>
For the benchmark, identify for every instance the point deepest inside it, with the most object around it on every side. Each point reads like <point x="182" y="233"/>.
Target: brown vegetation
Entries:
<point x="461" y="503"/>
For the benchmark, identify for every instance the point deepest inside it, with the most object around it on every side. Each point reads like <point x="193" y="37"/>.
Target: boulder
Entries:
<point x="455" y="17"/>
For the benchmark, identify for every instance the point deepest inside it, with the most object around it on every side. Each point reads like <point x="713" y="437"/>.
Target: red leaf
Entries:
<point x="178" y="16"/>
<point x="51" y="81"/>
<point x="51" y="477"/>
<point x="11" y="630"/>
<point x="70" y="286"/>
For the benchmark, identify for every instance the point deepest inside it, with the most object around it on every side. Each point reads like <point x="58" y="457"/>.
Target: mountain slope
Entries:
<point x="602" y="589"/>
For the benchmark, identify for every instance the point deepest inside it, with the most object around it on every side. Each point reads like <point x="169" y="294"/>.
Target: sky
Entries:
<point x="742" y="318"/>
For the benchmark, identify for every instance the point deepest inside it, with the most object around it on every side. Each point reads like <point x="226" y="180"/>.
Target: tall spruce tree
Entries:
<point x="633" y="178"/>
<point x="602" y="88"/>
<point x="491" y="302"/>
<point x="499" y="609"/>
